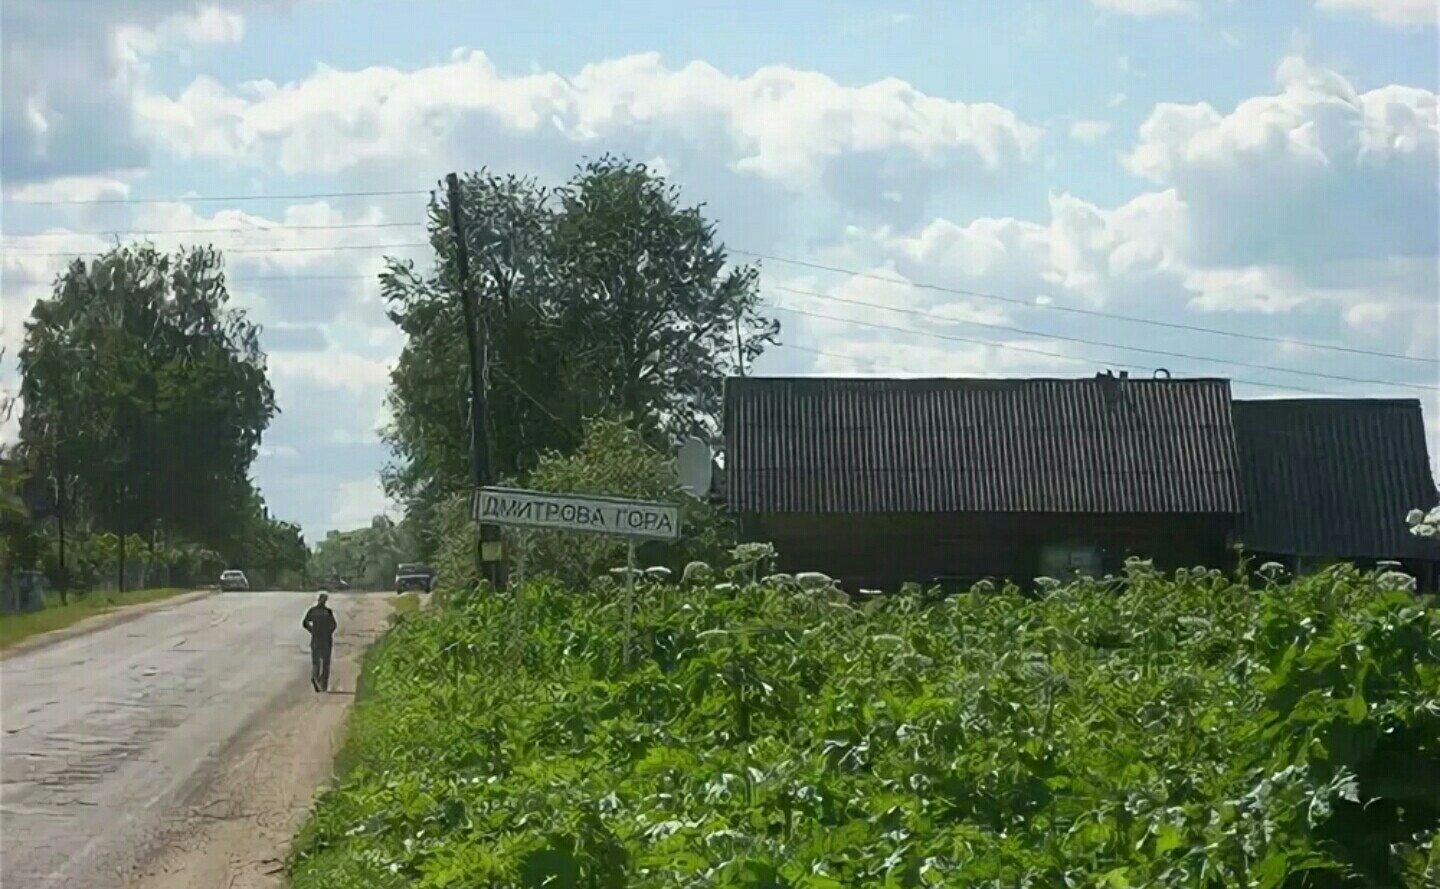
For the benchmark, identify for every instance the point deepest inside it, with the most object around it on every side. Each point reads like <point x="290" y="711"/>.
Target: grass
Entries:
<point x="15" y="628"/>
<point x="406" y="604"/>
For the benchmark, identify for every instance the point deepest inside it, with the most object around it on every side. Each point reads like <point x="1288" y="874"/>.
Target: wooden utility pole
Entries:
<point x="487" y="552"/>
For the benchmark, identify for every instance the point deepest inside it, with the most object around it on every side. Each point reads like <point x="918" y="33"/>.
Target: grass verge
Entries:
<point x="406" y="604"/>
<point x="15" y="628"/>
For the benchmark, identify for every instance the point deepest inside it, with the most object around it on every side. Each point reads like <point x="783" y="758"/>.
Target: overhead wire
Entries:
<point x="1074" y="339"/>
<point x="317" y="249"/>
<point x="920" y="285"/>
<point x="1135" y="319"/>
<point x="240" y="230"/>
<point x="1009" y="347"/>
<point x="195" y="199"/>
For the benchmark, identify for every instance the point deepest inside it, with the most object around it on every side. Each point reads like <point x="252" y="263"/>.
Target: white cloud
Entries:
<point x="204" y="25"/>
<point x="1391" y="12"/>
<point x="1148" y="8"/>
<point x="1369" y="315"/>
<point x="788" y="126"/>
<point x="357" y="502"/>
<point x="871" y="24"/>
<point x="1116" y="100"/>
<point x="1320" y="171"/>
<point x="69" y="188"/>
<point x="70" y="71"/>
<point x="1089" y="130"/>
<point x="1310" y="151"/>
<point x="334" y="369"/>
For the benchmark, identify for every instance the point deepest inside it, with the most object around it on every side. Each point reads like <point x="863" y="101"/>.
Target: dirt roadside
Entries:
<point x="240" y="816"/>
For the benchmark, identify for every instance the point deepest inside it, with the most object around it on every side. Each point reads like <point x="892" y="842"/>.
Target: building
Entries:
<point x="1331" y="479"/>
<point x="883" y="481"/>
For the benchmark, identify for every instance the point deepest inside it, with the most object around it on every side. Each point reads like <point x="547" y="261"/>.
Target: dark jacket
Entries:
<point x="320" y="621"/>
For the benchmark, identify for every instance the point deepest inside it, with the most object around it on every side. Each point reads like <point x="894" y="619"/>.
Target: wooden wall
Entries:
<point x="882" y="551"/>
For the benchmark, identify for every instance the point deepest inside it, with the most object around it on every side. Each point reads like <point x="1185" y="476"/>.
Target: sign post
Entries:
<point x="629" y="598"/>
<point x="632" y="520"/>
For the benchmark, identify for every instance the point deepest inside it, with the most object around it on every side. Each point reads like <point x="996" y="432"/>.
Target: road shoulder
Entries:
<point x="99" y="621"/>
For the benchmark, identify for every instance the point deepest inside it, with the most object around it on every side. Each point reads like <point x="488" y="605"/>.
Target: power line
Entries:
<point x="328" y="248"/>
<point x="1013" y="348"/>
<point x="890" y="369"/>
<point x="195" y="199"/>
<point x="921" y="285"/>
<point x="1075" y="339"/>
<point x="130" y="232"/>
<point x="960" y="291"/>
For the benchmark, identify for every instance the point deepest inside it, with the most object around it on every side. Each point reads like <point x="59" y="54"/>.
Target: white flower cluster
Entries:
<point x="1424" y="524"/>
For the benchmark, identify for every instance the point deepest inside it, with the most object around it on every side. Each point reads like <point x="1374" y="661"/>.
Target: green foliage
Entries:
<point x="272" y="552"/>
<point x="613" y="460"/>
<point x="1188" y="731"/>
<point x="145" y="395"/>
<point x="606" y="297"/>
<point x="366" y="557"/>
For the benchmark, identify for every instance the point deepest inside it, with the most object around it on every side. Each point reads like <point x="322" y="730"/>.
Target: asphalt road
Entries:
<point x="108" y="739"/>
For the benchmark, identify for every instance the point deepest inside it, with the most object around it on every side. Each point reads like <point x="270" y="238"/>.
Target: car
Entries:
<point x="411" y="576"/>
<point x="233" y="580"/>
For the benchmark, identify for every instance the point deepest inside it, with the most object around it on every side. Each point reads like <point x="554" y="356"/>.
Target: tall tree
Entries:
<point x="605" y="297"/>
<point x="145" y="395"/>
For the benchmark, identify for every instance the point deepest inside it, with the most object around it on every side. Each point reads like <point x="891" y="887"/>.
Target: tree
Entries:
<point x="145" y="395"/>
<point x="602" y="298"/>
<point x="612" y="460"/>
<point x="273" y="551"/>
<point x="367" y="556"/>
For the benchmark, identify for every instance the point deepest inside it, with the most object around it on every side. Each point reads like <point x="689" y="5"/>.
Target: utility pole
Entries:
<point x="488" y="550"/>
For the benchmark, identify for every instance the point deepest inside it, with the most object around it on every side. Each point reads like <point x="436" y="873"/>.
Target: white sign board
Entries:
<point x="574" y="512"/>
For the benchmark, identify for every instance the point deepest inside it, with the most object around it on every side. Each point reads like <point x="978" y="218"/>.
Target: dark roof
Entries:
<point x="1333" y="477"/>
<point x="980" y="445"/>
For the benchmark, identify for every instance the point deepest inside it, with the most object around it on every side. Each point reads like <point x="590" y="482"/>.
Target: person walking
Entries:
<point x="320" y="621"/>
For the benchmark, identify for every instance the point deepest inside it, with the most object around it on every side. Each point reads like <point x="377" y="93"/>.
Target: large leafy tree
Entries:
<point x="605" y="297"/>
<point x="145" y="394"/>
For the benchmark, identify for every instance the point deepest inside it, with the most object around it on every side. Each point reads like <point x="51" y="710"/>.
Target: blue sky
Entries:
<point x="1267" y="168"/>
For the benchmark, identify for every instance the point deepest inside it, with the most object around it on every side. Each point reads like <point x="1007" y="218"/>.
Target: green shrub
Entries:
<point x="1184" y="731"/>
<point x="614" y="461"/>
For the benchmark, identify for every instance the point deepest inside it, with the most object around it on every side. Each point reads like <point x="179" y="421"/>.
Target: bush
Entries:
<point x="614" y="461"/>
<point x="1184" y="731"/>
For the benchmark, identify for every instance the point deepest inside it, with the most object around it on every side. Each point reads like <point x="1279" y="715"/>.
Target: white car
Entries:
<point x="233" y="580"/>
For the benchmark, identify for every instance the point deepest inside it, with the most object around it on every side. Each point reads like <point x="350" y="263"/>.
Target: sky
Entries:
<point x="1217" y="188"/>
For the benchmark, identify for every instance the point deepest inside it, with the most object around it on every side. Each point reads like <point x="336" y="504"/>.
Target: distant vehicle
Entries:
<point x="413" y="577"/>
<point x="336" y="584"/>
<point x="233" y="580"/>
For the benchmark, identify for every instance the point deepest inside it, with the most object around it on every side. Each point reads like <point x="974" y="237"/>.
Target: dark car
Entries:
<point x="411" y="577"/>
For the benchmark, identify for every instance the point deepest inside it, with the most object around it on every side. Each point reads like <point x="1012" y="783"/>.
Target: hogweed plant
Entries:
<point x="1145" y="730"/>
<point x="1424" y="524"/>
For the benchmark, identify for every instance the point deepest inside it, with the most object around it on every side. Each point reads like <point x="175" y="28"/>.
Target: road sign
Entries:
<point x="573" y="512"/>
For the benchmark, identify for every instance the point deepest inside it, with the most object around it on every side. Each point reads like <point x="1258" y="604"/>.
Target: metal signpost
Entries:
<point x="611" y="516"/>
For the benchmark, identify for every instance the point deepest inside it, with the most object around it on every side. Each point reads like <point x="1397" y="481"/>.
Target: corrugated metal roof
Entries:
<point x="980" y="445"/>
<point x="1333" y="477"/>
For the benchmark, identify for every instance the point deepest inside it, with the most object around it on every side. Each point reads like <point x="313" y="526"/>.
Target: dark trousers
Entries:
<point x="320" y="662"/>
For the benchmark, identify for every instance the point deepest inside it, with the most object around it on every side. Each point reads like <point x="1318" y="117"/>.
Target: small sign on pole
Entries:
<point x="575" y="512"/>
<point x="612" y="516"/>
